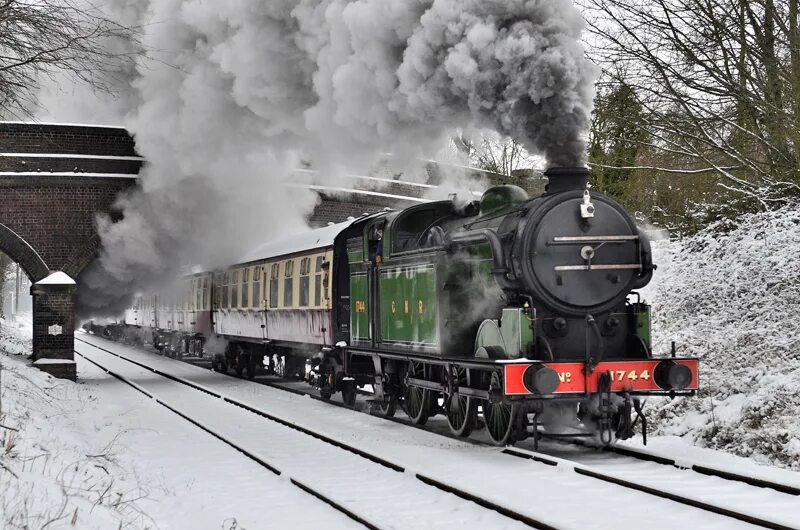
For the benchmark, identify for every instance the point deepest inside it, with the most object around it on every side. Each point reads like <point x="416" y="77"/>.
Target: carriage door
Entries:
<point x="155" y="311"/>
<point x="260" y="297"/>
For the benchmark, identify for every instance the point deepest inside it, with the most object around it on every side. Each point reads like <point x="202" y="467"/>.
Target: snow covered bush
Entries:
<point x="15" y="334"/>
<point x="55" y="471"/>
<point x="731" y="296"/>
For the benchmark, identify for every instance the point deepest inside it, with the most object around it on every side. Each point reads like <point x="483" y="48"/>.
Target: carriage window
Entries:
<point x="410" y="228"/>
<point x="256" y="302"/>
<point x="273" y="285"/>
<point x="225" y="290"/>
<point x="318" y="281"/>
<point x="305" y="267"/>
<point x="235" y="289"/>
<point x="245" y="288"/>
<point x="288" y="283"/>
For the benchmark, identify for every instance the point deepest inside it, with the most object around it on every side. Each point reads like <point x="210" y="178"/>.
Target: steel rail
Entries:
<point x="429" y="481"/>
<point x="587" y="471"/>
<point x="605" y="477"/>
<point x="263" y="463"/>
<point x="703" y="470"/>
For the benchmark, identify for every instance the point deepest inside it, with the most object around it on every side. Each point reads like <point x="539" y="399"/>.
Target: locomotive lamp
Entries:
<point x="540" y="379"/>
<point x="670" y="375"/>
<point x="587" y="208"/>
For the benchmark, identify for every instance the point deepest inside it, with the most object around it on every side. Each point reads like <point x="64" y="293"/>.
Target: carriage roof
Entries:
<point x="294" y="244"/>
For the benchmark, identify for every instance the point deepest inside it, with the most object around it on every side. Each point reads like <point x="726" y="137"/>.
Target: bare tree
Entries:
<point x="5" y="268"/>
<point x="494" y="153"/>
<point x="45" y="37"/>
<point x="718" y="82"/>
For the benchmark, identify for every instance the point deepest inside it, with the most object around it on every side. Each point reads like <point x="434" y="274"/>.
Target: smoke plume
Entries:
<point x="230" y="96"/>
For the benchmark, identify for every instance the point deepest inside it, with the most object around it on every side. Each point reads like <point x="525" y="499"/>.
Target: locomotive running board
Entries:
<point x="439" y="387"/>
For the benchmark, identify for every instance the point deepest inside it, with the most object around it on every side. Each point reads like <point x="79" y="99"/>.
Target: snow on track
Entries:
<point x="770" y="508"/>
<point x="381" y="496"/>
<point x="179" y="467"/>
<point x="556" y="495"/>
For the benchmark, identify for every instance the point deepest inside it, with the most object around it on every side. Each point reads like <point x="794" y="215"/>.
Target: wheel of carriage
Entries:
<point x="218" y="364"/>
<point x="349" y="392"/>
<point x="417" y="401"/>
<point x="240" y="362"/>
<point x="251" y="365"/>
<point x="462" y="412"/>
<point x="278" y="365"/>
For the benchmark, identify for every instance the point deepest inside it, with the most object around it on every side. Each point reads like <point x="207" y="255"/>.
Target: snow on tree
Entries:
<point x="730" y="295"/>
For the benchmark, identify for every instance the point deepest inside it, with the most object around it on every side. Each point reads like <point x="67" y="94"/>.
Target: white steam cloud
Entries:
<point x="234" y="94"/>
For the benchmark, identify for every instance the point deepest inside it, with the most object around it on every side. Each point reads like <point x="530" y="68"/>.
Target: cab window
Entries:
<point x="409" y="228"/>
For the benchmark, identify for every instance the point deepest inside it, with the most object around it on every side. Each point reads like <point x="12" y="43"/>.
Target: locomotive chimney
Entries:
<point x="565" y="179"/>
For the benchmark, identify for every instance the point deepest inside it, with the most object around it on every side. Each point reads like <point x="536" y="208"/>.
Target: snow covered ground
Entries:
<point x="545" y="493"/>
<point x="99" y="455"/>
<point x="731" y="295"/>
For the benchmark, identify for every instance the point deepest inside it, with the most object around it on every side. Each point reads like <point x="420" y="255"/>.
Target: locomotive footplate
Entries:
<point x="669" y="376"/>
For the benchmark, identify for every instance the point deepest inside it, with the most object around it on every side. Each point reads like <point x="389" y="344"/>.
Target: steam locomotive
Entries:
<point x="521" y="310"/>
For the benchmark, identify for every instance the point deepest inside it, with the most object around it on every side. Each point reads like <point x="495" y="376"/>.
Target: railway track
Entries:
<point x="547" y="458"/>
<point x="446" y="497"/>
<point x="697" y="468"/>
<point x="592" y="472"/>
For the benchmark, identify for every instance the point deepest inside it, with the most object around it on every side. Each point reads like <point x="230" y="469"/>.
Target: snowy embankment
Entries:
<point x="731" y="295"/>
<point x="51" y="475"/>
<point x="100" y="455"/>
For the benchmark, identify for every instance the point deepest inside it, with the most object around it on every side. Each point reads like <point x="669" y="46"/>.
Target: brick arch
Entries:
<point x="82" y="256"/>
<point x="20" y="251"/>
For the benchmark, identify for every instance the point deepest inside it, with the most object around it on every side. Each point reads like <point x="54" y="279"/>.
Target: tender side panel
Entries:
<point x="409" y="306"/>
<point x="626" y="376"/>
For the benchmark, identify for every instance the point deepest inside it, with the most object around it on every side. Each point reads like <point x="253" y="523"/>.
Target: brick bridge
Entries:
<point x="56" y="178"/>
